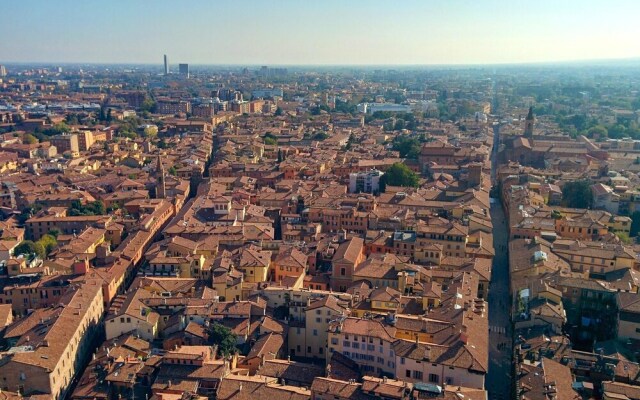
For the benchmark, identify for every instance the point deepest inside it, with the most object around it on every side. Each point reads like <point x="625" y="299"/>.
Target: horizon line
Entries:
<point x="514" y="63"/>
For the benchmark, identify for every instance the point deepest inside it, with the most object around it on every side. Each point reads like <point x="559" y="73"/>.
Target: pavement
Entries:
<point x="499" y="380"/>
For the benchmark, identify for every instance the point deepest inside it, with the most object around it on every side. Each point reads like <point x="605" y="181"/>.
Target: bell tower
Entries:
<point x="528" y="124"/>
<point x="160" y="184"/>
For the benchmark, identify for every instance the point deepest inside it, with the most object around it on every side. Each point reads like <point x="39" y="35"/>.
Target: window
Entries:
<point x="434" y="378"/>
<point x="417" y="374"/>
<point x="334" y="341"/>
<point x="315" y="332"/>
<point x="343" y="271"/>
<point x="402" y="360"/>
<point x="407" y="373"/>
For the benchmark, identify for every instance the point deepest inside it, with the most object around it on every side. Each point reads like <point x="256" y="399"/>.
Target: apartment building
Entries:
<point x="47" y="357"/>
<point x="369" y="342"/>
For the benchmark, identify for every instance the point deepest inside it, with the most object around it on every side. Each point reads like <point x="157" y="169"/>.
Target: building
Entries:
<point x="267" y="93"/>
<point x="370" y="108"/>
<point x="367" y="182"/>
<point x="3" y="70"/>
<point x="46" y="359"/>
<point x="66" y="142"/>
<point x="166" y="65"/>
<point x="206" y="111"/>
<point x="369" y="342"/>
<point x="173" y="106"/>
<point x="184" y="69"/>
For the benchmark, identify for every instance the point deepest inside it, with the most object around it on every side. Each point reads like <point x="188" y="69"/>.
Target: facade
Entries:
<point x="184" y="69"/>
<point x="367" y="182"/>
<point x="66" y="142"/>
<point x="43" y="363"/>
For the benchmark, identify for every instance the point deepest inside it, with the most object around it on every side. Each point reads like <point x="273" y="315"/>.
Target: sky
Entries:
<point x="321" y="32"/>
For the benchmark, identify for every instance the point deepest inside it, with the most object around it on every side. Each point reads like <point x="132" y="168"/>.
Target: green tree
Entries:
<point x="278" y="112"/>
<point x="223" y="337"/>
<point x="597" y="131"/>
<point x="270" y="139"/>
<point x="28" y="247"/>
<point x="320" y="136"/>
<point x="400" y="125"/>
<point x="148" y="105"/>
<point x="399" y="175"/>
<point x="624" y="238"/>
<point x="48" y="242"/>
<point x="407" y="147"/>
<point x="577" y="194"/>
<point x="172" y="171"/>
<point x="94" y="208"/>
<point x="29" y="139"/>
<point x="57" y="129"/>
<point x="635" y="223"/>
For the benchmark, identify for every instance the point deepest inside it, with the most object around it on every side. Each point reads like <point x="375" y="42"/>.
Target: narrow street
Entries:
<point x="499" y="380"/>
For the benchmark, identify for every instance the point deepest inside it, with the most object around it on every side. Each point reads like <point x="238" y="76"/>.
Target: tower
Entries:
<point x="160" y="184"/>
<point x="184" y="70"/>
<point x="166" y="65"/>
<point x="528" y="124"/>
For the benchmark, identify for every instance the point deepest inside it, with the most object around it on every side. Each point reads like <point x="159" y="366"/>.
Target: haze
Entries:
<point x="320" y="32"/>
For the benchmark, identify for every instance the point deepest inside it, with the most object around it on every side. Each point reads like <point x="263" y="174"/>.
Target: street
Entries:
<point x="499" y="380"/>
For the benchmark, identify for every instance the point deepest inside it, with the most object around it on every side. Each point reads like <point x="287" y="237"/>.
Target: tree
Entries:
<point x="598" y="131"/>
<point x="150" y="131"/>
<point x="270" y="139"/>
<point x="400" y="124"/>
<point x="577" y="194"/>
<point x="93" y="208"/>
<point x="28" y="247"/>
<point x="635" y="223"/>
<point x="407" y="147"/>
<point x="278" y="112"/>
<point x="223" y="337"/>
<point x="48" y="242"/>
<point x="320" y="136"/>
<point x="172" y="171"/>
<point x="624" y="238"/>
<point x="148" y="105"/>
<point x="29" y="139"/>
<point x="399" y="175"/>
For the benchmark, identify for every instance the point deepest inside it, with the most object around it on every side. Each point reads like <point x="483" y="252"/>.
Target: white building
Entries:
<point x="365" y="182"/>
<point x="370" y="108"/>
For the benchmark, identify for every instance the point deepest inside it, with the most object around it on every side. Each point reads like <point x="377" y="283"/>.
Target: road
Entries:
<point x="499" y="380"/>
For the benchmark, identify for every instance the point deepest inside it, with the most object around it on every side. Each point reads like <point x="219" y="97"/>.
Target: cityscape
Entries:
<point x="318" y="225"/>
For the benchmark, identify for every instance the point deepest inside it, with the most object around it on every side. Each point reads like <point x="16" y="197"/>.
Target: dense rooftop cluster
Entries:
<point x="235" y="234"/>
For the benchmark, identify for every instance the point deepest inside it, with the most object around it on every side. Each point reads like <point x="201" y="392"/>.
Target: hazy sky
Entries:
<point x="318" y="32"/>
